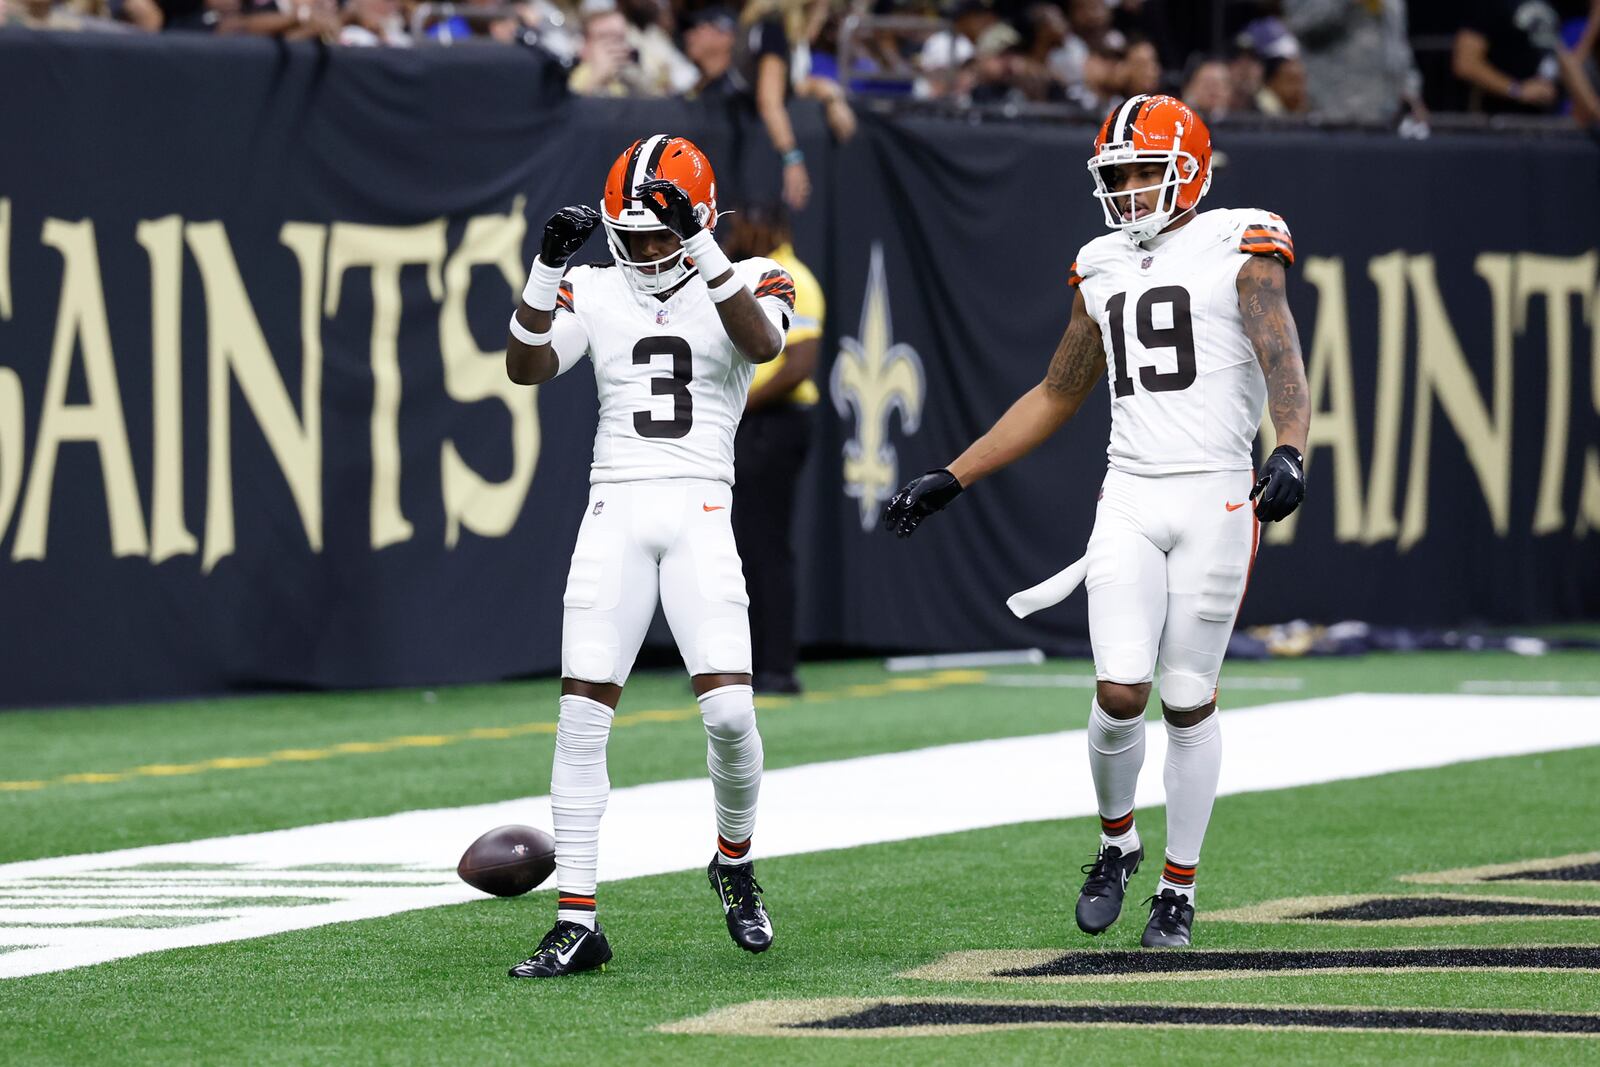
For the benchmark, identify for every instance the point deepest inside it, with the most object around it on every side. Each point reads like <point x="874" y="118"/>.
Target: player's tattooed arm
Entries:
<point x="531" y="364"/>
<point x="1079" y="362"/>
<point x="748" y="326"/>
<point x="1264" y="307"/>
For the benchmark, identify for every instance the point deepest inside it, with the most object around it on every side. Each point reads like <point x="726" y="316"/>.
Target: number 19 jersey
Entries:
<point x="1186" y="390"/>
<point x="671" y="384"/>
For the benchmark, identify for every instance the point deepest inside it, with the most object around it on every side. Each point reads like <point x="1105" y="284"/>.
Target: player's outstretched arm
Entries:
<point x="1079" y="362"/>
<point x="748" y="326"/>
<point x="531" y="356"/>
<point x="1264" y="307"/>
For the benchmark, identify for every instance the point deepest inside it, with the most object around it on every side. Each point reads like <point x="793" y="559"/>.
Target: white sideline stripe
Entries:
<point x="667" y="826"/>
<point x="1088" y="681"/>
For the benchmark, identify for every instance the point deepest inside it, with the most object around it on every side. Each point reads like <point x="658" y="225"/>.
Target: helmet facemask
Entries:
<point x="649" y="276"/>
<point x="1119" y="205"/>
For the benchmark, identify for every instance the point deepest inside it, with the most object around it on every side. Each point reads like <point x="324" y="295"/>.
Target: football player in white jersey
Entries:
<point x="1188" y="311"/>
<point x="673" y="330"/>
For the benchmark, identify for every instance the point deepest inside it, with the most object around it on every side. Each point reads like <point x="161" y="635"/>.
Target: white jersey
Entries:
<point x="1187" y="391"/>
<point x="672" y="385"/>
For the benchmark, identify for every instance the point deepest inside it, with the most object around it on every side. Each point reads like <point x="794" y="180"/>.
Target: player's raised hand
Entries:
<point x="671" y="205"/>
<point x="1282" y="484"/>
<point x="921" y="497"/>
<point x="565" y="233"/>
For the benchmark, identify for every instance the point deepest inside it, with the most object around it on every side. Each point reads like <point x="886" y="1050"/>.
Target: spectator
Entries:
<point x="1209" y="89"/>
<point x="1140" y="70"/>
<point x="1245" y="74"/>
<point x="1048" y="34"/>
<point x="650" y="28"/>
<point x="999" y="71"/>
<point x="369" y="23"/>
<point x="1511" y="53"/>
<point x="947" y="51"/>
<point x="767" y="63"/>
<point x="1283" y="92"/>
<point x="708" y="41"/>
<point x="1090" y="23"/>
<point x="540" y="23"/>
<point x="1262" y="47"/>
<point x="771" y="445"/>
<point x="1101" y="81"/>
<point x="1358" y="61"/>
<point x="607" y="66"/>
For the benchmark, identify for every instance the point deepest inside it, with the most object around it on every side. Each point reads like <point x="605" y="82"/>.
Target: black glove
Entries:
<point x="1282" y="484"/>
<point x="565" y="233"/>
<point x="921" y="497"/>
<point x="671" y="205"/>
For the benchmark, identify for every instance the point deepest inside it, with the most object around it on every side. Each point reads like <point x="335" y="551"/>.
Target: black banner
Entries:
<point x="255" y="429"/>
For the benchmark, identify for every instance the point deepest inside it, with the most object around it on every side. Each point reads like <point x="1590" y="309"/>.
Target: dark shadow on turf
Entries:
<point x="1387" y="909"/>
<point x="1097" y="964"/>
<point x="896" y="1016"/>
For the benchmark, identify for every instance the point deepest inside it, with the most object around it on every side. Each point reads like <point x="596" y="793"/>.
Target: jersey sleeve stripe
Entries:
<point x="1270" y="248"/>
<point x="564" y="297"/>
<point x="1272" y="232"/>
<point x="1074" y="279"/>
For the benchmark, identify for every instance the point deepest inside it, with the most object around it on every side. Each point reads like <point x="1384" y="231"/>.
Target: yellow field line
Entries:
<point x="892" y="686"/>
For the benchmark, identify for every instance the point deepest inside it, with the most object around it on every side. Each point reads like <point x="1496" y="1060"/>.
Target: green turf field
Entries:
<point x="428" y="986"/>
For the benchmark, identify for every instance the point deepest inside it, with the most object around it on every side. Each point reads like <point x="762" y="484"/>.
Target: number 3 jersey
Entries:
<point x="1186" y="390"/>
<point x="672" y="385"/>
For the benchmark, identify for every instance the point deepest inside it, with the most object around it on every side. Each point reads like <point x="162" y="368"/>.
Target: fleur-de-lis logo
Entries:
<point x="875" y="377"/>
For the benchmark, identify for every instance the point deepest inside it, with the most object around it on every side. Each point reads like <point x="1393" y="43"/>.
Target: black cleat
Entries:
<point x="569" y="948"/>
<point x="1100" y="899"/>
<point x="1171" y="916"/>
<point x="736" y="887"/>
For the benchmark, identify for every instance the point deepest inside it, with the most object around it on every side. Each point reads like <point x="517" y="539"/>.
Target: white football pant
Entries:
<point x="644" y="540"/>
<point x="1169" y="560"/>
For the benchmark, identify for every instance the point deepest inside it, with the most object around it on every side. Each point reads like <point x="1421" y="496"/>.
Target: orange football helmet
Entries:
<point x="657" y="156"/>
<point x="1152" y="129"/>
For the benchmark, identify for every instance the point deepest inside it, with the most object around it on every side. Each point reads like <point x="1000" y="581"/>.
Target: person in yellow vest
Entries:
<point x="769" y="450"/>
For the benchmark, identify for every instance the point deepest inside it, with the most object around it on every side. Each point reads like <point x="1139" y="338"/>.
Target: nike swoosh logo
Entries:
<point x="1235" y="507"/>
<point x="565" y="958"/>
<point x="712" y="507"/>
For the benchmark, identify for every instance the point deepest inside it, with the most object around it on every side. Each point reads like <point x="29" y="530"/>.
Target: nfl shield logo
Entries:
<point x="598" y="505"/>
<point x="661" y="316"/>
<point x="1147" y="261"/>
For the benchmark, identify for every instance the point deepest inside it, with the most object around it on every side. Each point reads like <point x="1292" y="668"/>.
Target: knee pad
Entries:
<point x="722" y="646"/>
<point x="729" y="712"/>
<point x="1183" y="691"/>
<point x="589" y="651"/>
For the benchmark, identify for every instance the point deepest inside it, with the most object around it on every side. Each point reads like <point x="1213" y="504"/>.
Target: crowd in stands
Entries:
<point x="1357" y="61"/>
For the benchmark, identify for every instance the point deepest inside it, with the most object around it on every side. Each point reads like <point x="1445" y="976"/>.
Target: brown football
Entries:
<point x="508" y="861"/>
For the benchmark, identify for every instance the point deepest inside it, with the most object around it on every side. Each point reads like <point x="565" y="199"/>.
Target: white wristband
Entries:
<point x="726" y="290"/>
<point x="709" y="258"/>
<point x="543" y="282"/>
<point x="527" y="336"/>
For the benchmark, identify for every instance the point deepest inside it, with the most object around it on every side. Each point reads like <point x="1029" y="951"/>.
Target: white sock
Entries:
<point x="734" y="757"/>
<point x="579" y="788"/>
<point x="1116" y="752"/>
<point x="1194" y="762"/>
